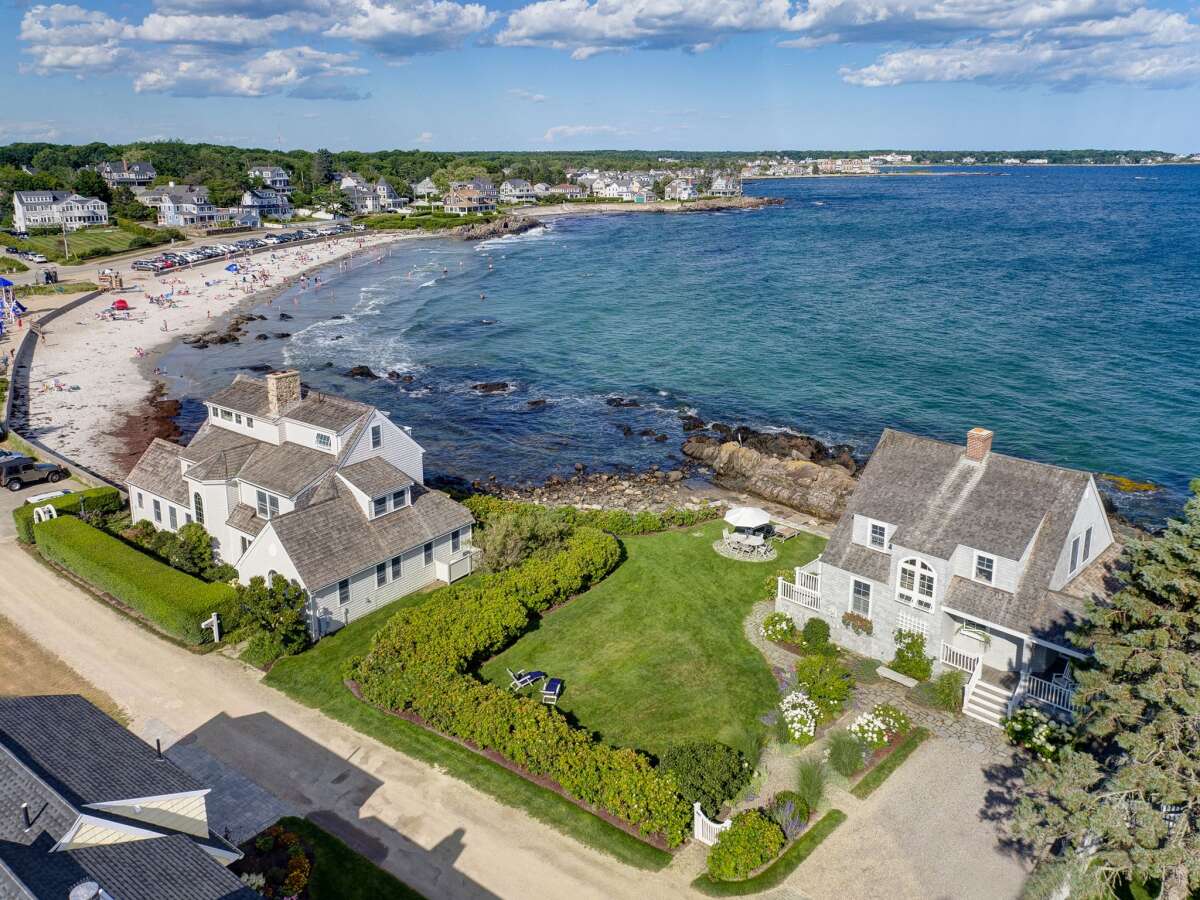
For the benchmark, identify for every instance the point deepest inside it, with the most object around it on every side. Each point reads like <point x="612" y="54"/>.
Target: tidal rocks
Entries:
<point x="261" y="337"/>
<point x="491" y="387"/>
<point x="338" y="316"/>
<point x="621" y="402"/>
<point x="282" y="334"/>
<point x="285" y="317"/>
<point x="535" y="404"/>
<point x="260" y="368"/>
<point x="361" y="372"/>
<point x="498" y="228"/>
<point x="819" y="490"/>
<point x="692" y="423"/>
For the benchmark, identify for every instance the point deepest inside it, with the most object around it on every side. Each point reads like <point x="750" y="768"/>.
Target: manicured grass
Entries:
<point x="8" y="265"/>
<point x="82" y="243"/>
<point x="655" y="654"/>
<point x="65" y="287"/>
<point x="878" y="775"/>
<point x="785" y="864"/>
<point x="341" y="874"/>
<point x="314" y="678"/>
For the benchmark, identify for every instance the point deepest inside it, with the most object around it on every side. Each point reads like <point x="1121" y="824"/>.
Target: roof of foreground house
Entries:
<point x="937" y="500"/>
<point x="60" y="753"/>
<point x="249" y="395"/>
<point x="158" y="472"/>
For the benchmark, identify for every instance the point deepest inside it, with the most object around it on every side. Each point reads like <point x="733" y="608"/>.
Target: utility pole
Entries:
<point x="66" y="247"/>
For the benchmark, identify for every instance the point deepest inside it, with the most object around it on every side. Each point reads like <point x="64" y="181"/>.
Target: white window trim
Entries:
<point x="853" y="596"/>
<point x="975" y="568"/>
<point x="917" y="572"/>
<point x="324" y="441"/>
<point x="871" y="523"/>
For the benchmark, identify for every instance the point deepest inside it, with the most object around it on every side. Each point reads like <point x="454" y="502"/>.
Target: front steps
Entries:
<point x="988" y="704"/>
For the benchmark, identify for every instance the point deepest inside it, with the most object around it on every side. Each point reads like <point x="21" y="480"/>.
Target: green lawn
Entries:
<point x="341" y="874"/>
<point x="110" y="239"/>
<point x="655" y="654"/>
<point x="314" y="678"/>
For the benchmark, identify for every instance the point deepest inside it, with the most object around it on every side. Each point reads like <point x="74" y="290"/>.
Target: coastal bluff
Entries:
<point x="798" y="472"/>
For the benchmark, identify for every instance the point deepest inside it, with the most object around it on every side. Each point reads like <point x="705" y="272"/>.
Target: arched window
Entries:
<point x="199" y="504"/>
<point x="916" y="583"/>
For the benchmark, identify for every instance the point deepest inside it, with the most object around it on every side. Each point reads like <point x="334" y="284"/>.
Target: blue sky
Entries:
<point x="547" y="74"/>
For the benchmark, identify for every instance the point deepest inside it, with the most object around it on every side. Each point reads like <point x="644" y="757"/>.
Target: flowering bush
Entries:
<point x="299" y="869"/>
<point x="1032" y="729"/>
<point x="856" y="623"/>
<point x="778" y="626"/>
<point x="826" y="682"/>
<point x="875" y="728"/>
<point x="752" y="839"/>
<point x="789" y="811"/>
<point x="801" y="716"/>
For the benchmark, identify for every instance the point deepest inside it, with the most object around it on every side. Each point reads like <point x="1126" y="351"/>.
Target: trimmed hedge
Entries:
<point x="174" y="601"/>
<point x="787" y="863"/>
<point x="419" y="662"/>
<point x="889" y="764"/>
<point x="614" y="521"/>
<point x="102" y="499"/>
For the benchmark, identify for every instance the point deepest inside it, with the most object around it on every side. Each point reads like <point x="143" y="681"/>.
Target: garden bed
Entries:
<point x="886" y="760"/>
<point x="773" y="873"/>
<point x="654" y="840"/>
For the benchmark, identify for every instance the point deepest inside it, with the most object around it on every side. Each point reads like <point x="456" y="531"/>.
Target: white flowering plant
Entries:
<point x="778" y="626"/>
<point x="1035" y="731"/>
<point x="875" y="728"/>
<point x="800" y="715"/>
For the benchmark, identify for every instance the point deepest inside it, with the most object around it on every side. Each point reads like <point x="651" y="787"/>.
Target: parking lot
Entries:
<point x="174" y="260"/>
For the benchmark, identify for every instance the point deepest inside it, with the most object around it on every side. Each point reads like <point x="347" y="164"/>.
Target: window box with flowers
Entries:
<point x="858" y="624"/>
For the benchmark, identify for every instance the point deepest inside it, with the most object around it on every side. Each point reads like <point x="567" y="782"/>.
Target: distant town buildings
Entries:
<point x="364" y="197"/>
<point x="123" y="174"/>
<point x="467" y="198"/>
<point x="274" y="177"/>
<point x="180" y="205"/>
<point x="267" y="202"/>
<point x="517" y="190"/>
<point x="57" y="209"/>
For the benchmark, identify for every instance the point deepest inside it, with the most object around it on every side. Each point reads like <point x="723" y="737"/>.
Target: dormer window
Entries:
<point x="985" y="568"/>
<point x="380" y="506"/>
<point x="324" y="441"/>
<point x="399" y="499"/>
<point x="267" y="505"/>
<point x="878" y="536"/>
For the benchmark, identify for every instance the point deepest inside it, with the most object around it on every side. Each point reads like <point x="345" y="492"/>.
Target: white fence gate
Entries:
<point x="704" y="828"/>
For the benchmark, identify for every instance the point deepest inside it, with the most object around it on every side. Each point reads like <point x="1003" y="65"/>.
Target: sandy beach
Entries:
<point x="92" y="373"/>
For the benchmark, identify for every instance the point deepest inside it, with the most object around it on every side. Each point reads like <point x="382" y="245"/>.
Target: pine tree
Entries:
<point x="1125" y="803"/>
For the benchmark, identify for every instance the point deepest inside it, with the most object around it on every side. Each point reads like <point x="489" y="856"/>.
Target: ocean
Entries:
<point x="1059" y="307"/>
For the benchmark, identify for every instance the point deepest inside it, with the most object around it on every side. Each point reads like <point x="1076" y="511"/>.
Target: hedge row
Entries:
<point x="614" y="521"/>
<point x="174" y="601"/>
<point x="102" y="499"/>
<point x="420" y="659"/>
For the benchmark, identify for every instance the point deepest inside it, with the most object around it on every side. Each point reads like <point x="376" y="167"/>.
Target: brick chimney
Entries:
<point x="979" y="444"/>
<point x="283" y="389"/>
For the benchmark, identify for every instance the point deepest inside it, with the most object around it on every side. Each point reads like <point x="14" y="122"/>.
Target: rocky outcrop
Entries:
<point x="812" y="487"/>
<point x="711" y="203"/>
<point x="653" y="490"/>
<point x="491" y="387"/>
<point x="361" y="372"/>
<point x="498" y="228"/>
<point x="234" y="331"/>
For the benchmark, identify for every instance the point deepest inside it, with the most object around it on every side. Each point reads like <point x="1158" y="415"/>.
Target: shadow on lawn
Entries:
<point x="331" y="792"/>
<point x="1006" y="784"/>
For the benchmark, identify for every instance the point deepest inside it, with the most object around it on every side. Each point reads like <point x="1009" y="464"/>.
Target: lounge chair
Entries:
<point x="551" y="691"/>
<point x="523" y="679"/>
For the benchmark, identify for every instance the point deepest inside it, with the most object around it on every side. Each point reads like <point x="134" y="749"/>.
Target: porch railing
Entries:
<point x="1057" y="695"/>
<point x="808" y="598"/>
<point x="959" y="659"/>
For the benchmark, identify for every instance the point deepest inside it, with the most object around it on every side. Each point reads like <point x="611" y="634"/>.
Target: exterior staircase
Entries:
<point x="988" y="703"/>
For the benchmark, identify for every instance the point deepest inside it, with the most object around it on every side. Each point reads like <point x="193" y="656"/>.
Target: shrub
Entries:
<point x="789" y="811"/>
<point x="418" y="659"/>
<point x="707" y="771"/>
<point x="277" y="616"/>
<point x="1032" y="729"/>
<point x="615" y="521"/>
<point x="810" y="783"/>
<point x="846" y="752"/>
<point x="946" y="691"/>
<point x="800" y="716"/>
<point x="751" y="841"/>
<point x="858" y="624"/>
<point x="513" y="536"/>
<point x="175" y="601"/>
<point x="875" y="728"/>
<point x="816" y="634"/>
<point x="826" y="682"/>
<point x="105" y="499"/>
<point x="910" y="658"/>
<point x="779" y="626"/>
<point x="8" y="264"/>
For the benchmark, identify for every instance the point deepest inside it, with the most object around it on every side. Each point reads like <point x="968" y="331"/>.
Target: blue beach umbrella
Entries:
<point x="4" y="282"/>
<point x="232" y="267"/>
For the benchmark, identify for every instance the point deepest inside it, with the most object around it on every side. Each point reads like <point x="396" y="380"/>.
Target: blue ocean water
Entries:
<point x="1059" y="307"/>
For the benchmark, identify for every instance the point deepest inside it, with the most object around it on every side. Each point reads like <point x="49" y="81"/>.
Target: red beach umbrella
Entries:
<point x="120" y="304"/>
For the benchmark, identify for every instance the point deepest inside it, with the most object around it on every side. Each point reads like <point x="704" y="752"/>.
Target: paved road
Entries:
<point x="434" y="832"/>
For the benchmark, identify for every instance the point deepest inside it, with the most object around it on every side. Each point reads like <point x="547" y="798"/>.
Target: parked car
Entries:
<point x="38" y="258"/>
<point x="16" y="473"/>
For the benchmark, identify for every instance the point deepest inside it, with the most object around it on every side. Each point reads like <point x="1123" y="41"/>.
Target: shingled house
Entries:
<point x="318" y="488"/>
<point x="88" y="806"/>
<point x="990" y="557"/>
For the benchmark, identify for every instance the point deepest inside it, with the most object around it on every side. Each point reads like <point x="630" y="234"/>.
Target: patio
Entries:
<point x="752" y="537"/>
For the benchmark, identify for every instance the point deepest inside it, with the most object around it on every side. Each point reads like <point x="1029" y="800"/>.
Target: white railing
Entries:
<point x="808" y="581"/>
<point x="705" y="829"/>
<point x="1060" y="696"/>
<point x="809" y="599"/>
<point x="959" y="659"/>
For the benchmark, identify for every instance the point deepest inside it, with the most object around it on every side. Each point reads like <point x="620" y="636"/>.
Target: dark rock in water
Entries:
<point x="647" y="432"/>
<point x="692" y="423"/>
<point x="328" y="365"/>
<point x="626" y="430"/>
<point x="361" y="372"/>
<point x="536" y="404"/>
<point x="284" y="317"/>
<point x="579" y="467"/>
<point x="199" y="345"/>
<point x="260" y="318"/>
<point x="408" y="379"/>
<point x="393" y="375"/>
<point x="487" y="321"/>
<point x="338" y="316"/>
<point x="491" y="387"/>
<point x="337" y="337"/>
<point x="260" y="368"/>
<point x="261" y="337"/>
<point x="621" y="402"/>
<point x="283" y="334"/>
<point x="660" y="438"/>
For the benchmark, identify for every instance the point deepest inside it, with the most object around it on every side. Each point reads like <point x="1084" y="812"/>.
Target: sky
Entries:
<point x="601" y="74"/>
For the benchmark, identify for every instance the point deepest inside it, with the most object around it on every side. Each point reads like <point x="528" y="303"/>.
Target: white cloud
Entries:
<point x="531" y="96"/>
<point x="190" y="74"/>
<point x="405" y="27"/>
<point x="29" y="131"/>
<point x="425" y="137"/>
<point x="571" y="131"/>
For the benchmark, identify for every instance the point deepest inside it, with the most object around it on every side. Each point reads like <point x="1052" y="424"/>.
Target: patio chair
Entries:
<point x="523" y="679"/>
<point x="551" y="691"/>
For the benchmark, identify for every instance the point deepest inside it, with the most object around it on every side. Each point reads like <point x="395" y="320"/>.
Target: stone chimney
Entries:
<point x="979" y="444"/>
<point x="283" y="389"/>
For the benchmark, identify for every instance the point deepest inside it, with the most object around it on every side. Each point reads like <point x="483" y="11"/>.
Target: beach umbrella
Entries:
<point x="120" y="304"/>
<point x="232" y="267"/>
<point x="747" y="517"/>
<point x="4" y="282"/>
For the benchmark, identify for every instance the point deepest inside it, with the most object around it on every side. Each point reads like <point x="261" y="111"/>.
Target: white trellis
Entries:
<point x="704" y="828"/>
<point x="44" y="513"/>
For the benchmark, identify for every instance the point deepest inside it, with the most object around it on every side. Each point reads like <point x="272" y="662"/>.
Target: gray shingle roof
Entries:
<point x="332" y="538"/>
<point x="375" y="476"/>
<point x="245" y="518"/>
<point x="158" y="471"/>
<point x="83" y="754"/>
<point x="211" y="439"/>
<point x="249" y="395"/>
<point x="285" y="468"/>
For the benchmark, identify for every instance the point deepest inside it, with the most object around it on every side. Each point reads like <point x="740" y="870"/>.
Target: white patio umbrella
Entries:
<point x="747" y="517"/>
